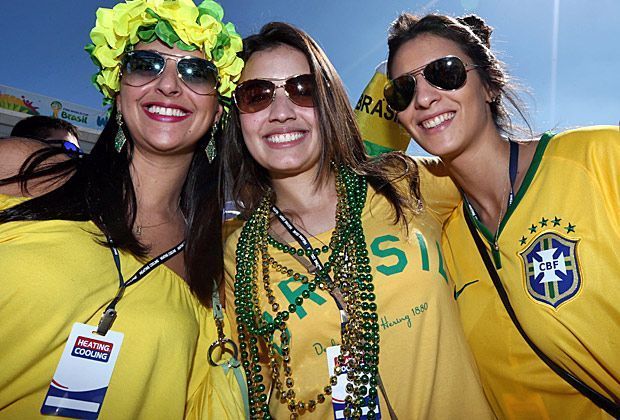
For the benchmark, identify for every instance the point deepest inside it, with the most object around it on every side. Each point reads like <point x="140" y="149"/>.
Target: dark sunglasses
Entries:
<point x="140" y="67"/>
<point x="446" y="73"/>
<point x="257" y="94"/>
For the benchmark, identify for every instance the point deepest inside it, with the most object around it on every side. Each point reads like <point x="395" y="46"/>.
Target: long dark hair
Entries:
<point x="473" y="36"/>
<point x="99" y="188"/>
<point x="341" y="141"/>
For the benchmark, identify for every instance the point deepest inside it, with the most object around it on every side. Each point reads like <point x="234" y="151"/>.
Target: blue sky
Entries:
<point x="42" y="46"/>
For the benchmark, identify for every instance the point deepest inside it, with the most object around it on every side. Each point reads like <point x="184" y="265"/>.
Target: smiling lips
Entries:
<point x="166" y="113"/>
<point x="437" y="120"/>
<point x="283" y="139"/>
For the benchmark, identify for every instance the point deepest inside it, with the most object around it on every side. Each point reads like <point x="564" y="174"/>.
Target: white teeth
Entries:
<point x="169" y="112"/>
<point x="284" y="138"/>
<point x="434" y="122"/>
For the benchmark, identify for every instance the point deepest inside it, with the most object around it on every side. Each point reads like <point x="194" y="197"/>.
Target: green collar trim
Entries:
<point x="529" y="176"/>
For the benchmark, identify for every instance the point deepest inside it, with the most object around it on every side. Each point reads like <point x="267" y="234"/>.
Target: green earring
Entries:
<point x="210" y="149"/>
<point x="119" y="139"/>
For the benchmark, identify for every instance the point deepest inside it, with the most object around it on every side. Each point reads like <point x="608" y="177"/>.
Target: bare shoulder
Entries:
<point x="14" y="152"/>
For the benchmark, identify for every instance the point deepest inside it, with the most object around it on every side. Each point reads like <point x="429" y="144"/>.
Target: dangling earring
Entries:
<point x="119" y="139"/>
<point x="210" y="149"/>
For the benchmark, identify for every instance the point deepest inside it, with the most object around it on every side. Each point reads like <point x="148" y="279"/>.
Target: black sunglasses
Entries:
<point x="446" y="73"/>
<point x="140" y="67"/>
<point x="257" y="94"/>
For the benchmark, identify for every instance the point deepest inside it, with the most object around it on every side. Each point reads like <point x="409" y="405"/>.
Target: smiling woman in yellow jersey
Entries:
<point x="545" y="214"/>
<point x="110" y="260"/>
<point x="344" y="307"/>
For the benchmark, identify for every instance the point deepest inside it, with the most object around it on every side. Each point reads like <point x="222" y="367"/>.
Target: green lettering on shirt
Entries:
<point x="291" y="295"/>
<point x="401" y="257"/>
<point x="423" y="251"/>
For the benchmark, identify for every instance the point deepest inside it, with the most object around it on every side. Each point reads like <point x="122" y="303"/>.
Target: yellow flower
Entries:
<point x="109" y="81"/>
<point x="174" y="22"/>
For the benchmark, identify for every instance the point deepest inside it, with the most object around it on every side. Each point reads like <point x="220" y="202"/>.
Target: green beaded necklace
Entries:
<point x="347" y="271"/>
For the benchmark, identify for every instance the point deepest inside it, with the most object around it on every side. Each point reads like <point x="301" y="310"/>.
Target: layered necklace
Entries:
<point x="346" y="275"/>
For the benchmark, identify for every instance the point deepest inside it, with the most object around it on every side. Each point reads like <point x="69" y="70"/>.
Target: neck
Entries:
<point x="158" y="182"/>
<point x="311" y="204"/>
<point x="482" y="173"/>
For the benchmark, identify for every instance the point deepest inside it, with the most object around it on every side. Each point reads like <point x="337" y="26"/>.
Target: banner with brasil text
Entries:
<point x="380" y="130"/>
<point x="29" y="103"/>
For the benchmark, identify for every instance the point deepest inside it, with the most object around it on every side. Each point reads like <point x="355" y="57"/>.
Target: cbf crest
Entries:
<point x="552" y="269"/>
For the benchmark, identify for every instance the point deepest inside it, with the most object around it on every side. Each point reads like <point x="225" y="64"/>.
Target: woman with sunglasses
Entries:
<point x="544" y="214"/>
<point x="110" y="262"/>
<point x="343" y="305"/>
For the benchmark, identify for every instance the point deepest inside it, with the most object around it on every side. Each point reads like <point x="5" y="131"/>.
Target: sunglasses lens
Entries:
<point x="301" y="89"/>
<point x="257" y="94"/>
<point x="198" y="74"/>
<point x="447" y="73"/>
<point x="141" y="67"/>
<point x="399" y="92"/>
<point x="254" y="95"/>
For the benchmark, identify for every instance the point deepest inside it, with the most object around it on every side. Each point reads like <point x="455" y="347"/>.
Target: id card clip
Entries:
<point x="106" y="321"/>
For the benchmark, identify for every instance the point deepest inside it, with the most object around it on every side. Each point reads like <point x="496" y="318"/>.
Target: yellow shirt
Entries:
<point x="54" y="274"/>
<point x="559" y="262"/>
<point x="424" y="360"/>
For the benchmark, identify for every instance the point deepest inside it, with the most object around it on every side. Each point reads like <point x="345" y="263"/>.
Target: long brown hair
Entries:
<point x="341" y="141"/>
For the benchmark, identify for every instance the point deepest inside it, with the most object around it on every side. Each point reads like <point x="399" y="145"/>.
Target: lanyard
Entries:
<point x="513" y="166"/>
<point x="303" y="241"/>
<point x="335" y="293"/>
<point x="110" y="313"/>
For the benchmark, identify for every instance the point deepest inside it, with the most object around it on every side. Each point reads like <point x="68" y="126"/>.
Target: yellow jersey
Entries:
<point x="55" y="274"/>
<point x="424" y="360"/>
<point x="559" y="262"/>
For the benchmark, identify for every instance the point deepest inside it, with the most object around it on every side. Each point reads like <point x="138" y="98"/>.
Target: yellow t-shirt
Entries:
<point x="559" y="262"/>
<point x="55" y="274"/>
<point x="424" y="360"/>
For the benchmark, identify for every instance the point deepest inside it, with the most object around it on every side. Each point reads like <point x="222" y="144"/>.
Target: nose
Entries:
<point x="425" y="94"/>
<point x="168" y="82"/>
<point x="282" y="108"/>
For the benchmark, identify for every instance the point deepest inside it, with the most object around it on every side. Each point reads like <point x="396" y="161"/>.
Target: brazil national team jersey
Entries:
<point x="424" y="360"/>
<point x="559" y="261"/>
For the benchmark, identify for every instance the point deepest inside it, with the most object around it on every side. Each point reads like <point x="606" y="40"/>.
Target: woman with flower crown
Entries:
<point x="343" y="307"/>
<point x="110" y="261"/>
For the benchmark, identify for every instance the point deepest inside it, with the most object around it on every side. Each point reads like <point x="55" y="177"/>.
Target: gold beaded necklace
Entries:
<point x="347" y="272"/>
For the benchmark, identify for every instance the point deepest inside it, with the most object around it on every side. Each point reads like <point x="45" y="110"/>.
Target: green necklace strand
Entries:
<point x="347" y="270"/>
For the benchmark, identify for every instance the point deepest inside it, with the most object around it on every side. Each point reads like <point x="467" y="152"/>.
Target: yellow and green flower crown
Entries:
<point x="177" y="23"/>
